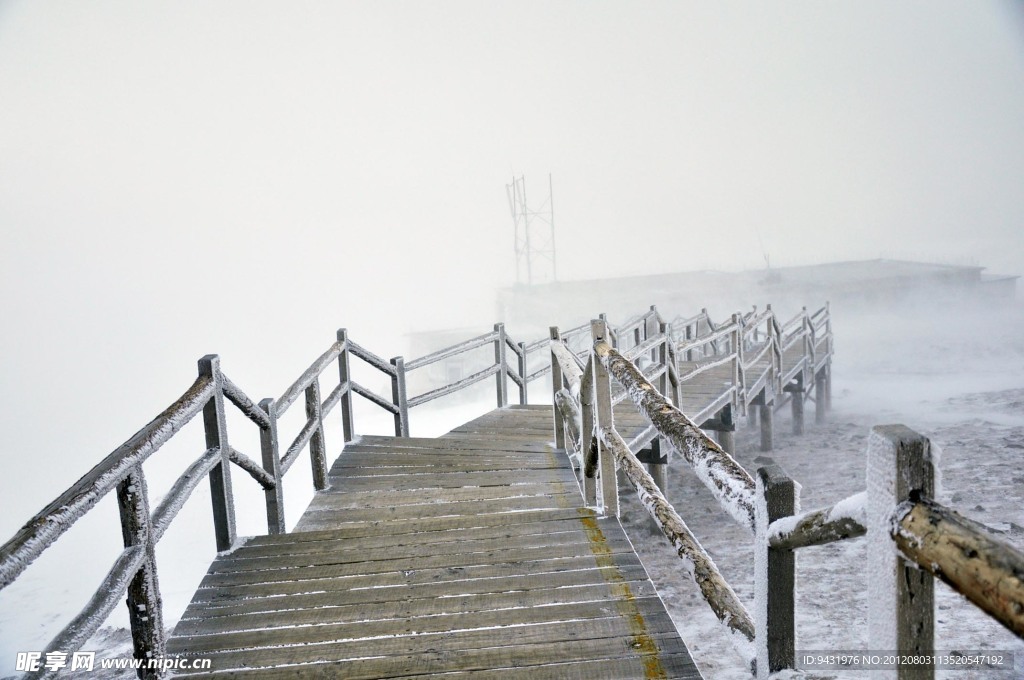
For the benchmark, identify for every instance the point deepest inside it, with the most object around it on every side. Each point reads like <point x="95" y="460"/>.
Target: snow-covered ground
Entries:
<point x="957" y="379"/>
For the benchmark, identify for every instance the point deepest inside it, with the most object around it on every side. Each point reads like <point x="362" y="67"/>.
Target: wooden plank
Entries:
<point x="325" y="542"/>
<point x="447" y="480"/>
<point x="390" y="587"/>
<point x="376" y="527"/>
<point x="615" y="632"/>
<point x="319" y="517"/>
<point x="398" y="552"/>
<point x="405" y="608"/>
<point x="564" y="494"/>
<point x="581" y="612"/>
<point x="455" y="555"/>
<point x="578" y="661"/>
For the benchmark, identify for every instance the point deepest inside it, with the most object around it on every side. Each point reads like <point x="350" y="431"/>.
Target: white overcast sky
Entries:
<point x="179" y="178"/>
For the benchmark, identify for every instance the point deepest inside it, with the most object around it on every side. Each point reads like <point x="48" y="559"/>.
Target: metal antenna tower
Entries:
<point x="535" y="234"/>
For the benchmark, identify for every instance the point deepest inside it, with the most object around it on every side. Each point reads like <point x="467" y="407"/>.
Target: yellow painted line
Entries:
<point x="641" y="640"/>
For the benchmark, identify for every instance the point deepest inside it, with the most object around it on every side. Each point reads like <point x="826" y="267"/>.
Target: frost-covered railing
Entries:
<point x="912" y="539"/>
<point x="134" y="571"/>
<point x="730" y="483"/>
<point x="500" y="368"/>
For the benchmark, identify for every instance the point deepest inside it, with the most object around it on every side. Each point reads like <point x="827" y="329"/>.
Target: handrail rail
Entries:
<point x="731" y="484"/>
<point x="961" y="552"/>
<point x="697" y="563"/>
<point x="60" y="514"/>
<point x="493" y="369"/>
<point x="369" y="357"/>
<point x="308" y="376"/>
<point x="465" y="346"/>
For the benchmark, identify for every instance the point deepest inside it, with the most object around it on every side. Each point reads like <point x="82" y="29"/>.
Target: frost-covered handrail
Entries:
<point x="720" y="332"/>
<point x="845" y="519"/>
<point x="730" y="483"/>
<point x="246" y="405"/>
<point x="465" y="346"/>
<point x="963" y="553"/>
<point x="645" y="346"/>
<point x="571" y="372"/>
<point x="308" y="376"/>
<point x="374" y="397"/>
<point x="696" y="562"/>
<point x="100" y="605"/>
<point x="455" y="386"/>
<point x="369" y="357"/>
<point x="181" y="490"/>
<point x="59" y="515"/>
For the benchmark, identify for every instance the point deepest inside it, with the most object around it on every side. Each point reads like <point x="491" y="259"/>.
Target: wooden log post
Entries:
<point x="271" y="455"/>
<point x="556" y="384"/>
<point x="588" y="442"/>
<point x="774" y="574"/>
<point x="215" y="424"/>
<point x="317" y="444"/>
<point x="145" y="605"/>
<point x="345" y="375"/>
<point x="796" y="390"/>
<point x="727" y="433"/>
<point x="659" y="470"/>
<point x="604" y="420"/>
<point x="736" y="340"/>
<point x="651" y="327"/>
<point x="902" y="599"/>
<point x="820" y="399"/>
<point x="399" y="397"/>
<point x="501" y="379"/>
<point x="767" y="412"/>
<point x="521" y="358"/>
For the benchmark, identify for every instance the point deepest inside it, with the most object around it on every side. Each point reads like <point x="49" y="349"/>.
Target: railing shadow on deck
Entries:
<point x="912" y="538"/>
<point x="134" y="572"/>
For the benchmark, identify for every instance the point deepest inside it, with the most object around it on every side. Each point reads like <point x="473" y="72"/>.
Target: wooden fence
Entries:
<point x="912" y="538"/>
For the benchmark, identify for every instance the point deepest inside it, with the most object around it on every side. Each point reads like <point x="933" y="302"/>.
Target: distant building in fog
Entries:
<point x="787" y="289"/>
<point x="528" y="311"/>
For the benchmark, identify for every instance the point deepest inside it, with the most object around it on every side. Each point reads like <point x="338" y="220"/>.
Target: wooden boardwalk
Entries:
<point x="469" y="554"/>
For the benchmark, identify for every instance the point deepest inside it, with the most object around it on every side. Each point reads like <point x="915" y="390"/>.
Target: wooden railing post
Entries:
<point x="603" y="397"/>
<point x="767" y="409"/>
<point x="673" y="389"/>
<point x="828" y="361"/>
<point x="737" y="361"/>
<point x="901" y="609"/>
<point x="556" y="384"/>
<point x="345" y="375"/>
<point x="399" y="397"/>
<point x="587" y="438"/>
<point x="271" y="454"/>
<point x="774" y="574"/>
<point x="689" y="336"/>
<point x="499" y="358"/>
<point x="727" y="435"/>
<point x="217" y="437"/>
<point x="317" y="445"/>
<point x="521" y="357"/>
<point x="797" y="400"/>
<point x="820" y="400"/>
<point x="145" y="606"/>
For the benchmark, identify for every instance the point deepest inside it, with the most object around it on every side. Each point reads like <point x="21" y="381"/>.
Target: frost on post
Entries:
<point x="900" y="613"/>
